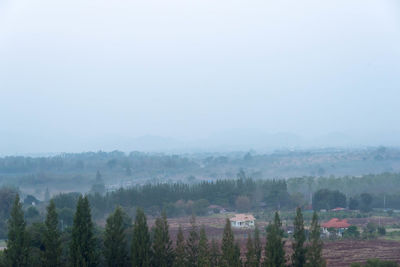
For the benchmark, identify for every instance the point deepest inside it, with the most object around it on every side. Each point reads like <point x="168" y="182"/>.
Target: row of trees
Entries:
<point x="178" y="199"/>
<point x="330" y="199"/>
<point x="152" y="247"/>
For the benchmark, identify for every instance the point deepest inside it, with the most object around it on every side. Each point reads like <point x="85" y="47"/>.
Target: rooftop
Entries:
<point x="336" y="223"/>
<point x="243" y="217"/>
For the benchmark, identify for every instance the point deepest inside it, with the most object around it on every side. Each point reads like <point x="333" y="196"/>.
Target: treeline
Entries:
<point x="377" y="184"/>
<point x="137" y="167"/>
<point x="82" y="246"/>
<point x="178" y="199"/>
<point x="330" y="199"/>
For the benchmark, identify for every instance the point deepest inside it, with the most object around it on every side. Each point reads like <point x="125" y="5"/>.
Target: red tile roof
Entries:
<point x="336" y="223"/>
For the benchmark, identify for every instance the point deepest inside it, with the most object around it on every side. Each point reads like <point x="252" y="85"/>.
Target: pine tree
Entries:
<point x="257" y="245"/>
<point x="17" y="252"/>
<point x="251" y="258"/>
<point x="274" y="251"/>
<point x="299" y="250"/>
<point x="47" y="195"/>
<point x="162" y="251"/>
<point x="204" y="252"/>
<point x="192" y="244"/>
<point x="51" y="238"/>
<point x="314" y="251"/>
<point x="215" y="254"/>
<point x="230" y="256"/>
<point x="83" y="245"/>
<point x="141" y="243"/>
<point x="115" y="245"/>
<point x="180" y="254"/>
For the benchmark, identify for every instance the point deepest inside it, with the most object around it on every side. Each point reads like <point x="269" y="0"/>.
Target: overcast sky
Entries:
<point x="79" y="75"/>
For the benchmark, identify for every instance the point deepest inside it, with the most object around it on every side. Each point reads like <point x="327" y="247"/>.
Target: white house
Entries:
<point x="242" y="221"/>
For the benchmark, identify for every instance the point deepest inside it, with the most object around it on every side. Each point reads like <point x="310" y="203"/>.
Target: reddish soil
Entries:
<point x="342" y="253"/>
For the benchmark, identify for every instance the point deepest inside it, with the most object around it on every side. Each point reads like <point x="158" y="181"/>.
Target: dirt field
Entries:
<point x="337" y="253"/>
<point x="342" y="253"/>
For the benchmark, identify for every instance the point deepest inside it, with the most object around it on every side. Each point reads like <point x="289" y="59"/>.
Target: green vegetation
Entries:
<point x="147" y="249"/>
<point x="274" y="251"/>
<point x="314" y="252"/>
<point x="299" y="250"/>
<point x="17" y="252"/>
<point x="376" y="263"/>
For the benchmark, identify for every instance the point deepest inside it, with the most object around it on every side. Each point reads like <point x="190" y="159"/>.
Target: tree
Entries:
<point x="47" y="195"/>
<point x="243" y="203"/>
<point x="351" y="232"/>
<point x="180" y="254"/>
<point x="115" y="246"/>
<point x="366" y="201"/>
<point x="327" y="199"/>
<point x="162" y="251"/>
<point x="257" y="245"/>
<point x="274" y="251"/>
<point x="314" y="251"/>
<point x="83" y="245"/>
<point x="17" y="252"/>
<point x="192" y="244"/>
<point x="353" y="203"/>
<point x="299" y="251"/>
<point x="141" y="244"/>
<point x="51" y="238"/>
<point x="215" y="254"/>
<point x="251" y="258"/>
<point x="230" y="257"/>
<point x="204" y="252"/>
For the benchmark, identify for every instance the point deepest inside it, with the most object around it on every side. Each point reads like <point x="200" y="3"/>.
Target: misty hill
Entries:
<point x="77" y="172"/>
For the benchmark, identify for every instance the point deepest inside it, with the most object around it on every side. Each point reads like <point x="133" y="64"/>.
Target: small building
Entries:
<point x="338" y="225"/>
<point x="243" y="221"/>
<point x="338" y="209"/>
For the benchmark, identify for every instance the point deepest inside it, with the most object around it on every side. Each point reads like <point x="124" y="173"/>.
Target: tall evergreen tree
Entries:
<point x="251" y="258"/>
<point x="17" y="252"/>
<point x="314" y="251"/>
<point x="274" y="251"/>
<point x="299" y="250"/>
<point x="257" y="245"/>
<point x="180" y="253"/>
<point x="141" y="243"/>
<point x="51" y="256"/>
<point x="230" y="256"/>
<point x="115" y="245"/>
<point x="215" y="254"/>
<point x="204" y="252"/>
<point x="192" y="244"/>
<point x="83" y="250"/>
<point x="162" y="251"/>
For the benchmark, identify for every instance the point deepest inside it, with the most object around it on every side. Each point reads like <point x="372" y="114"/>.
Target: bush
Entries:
<point x="381" y="230"/>
<point x="376" y="263"/>
<point x="351" y="232"/>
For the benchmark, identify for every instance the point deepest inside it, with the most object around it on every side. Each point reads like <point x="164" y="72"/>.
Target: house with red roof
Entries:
<point x="338" y="225"/>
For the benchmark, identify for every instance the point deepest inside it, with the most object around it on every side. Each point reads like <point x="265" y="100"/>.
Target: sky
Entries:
<point x="80" y="75"/>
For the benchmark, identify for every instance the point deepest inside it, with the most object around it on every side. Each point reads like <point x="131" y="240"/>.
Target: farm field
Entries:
<point x="338" y="253"/>
<point x="342" y="253"/>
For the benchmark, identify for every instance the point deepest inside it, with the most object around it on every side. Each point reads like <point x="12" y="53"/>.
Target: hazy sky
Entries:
<point x="81" y="75"/>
